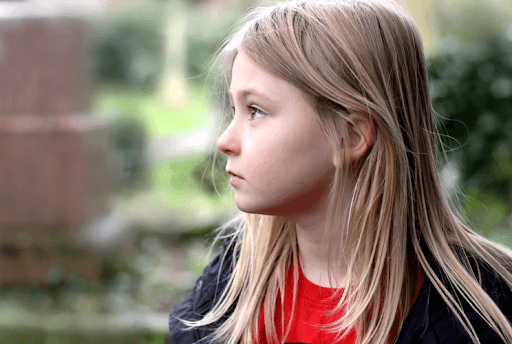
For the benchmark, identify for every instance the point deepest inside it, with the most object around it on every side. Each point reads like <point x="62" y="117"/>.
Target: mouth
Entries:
<point x="235" y="178"/>
<point x="233" y="174"/>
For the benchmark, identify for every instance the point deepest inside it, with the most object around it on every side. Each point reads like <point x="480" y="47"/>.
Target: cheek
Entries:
<point x="267" y="158"/>
<point x="295" y="157"/>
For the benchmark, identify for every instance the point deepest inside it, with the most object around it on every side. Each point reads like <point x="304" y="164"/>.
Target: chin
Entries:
<point x="251" y="208"/>
<point x="262" y="206"/>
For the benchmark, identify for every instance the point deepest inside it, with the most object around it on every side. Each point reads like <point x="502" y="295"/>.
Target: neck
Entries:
<point x="314" y="257"/>
<point x="315" y="253"/>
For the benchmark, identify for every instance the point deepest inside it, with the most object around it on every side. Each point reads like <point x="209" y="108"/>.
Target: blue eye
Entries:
<point x="256" y="113"/>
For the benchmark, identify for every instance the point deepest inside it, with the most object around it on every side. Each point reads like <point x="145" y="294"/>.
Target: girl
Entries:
<point x="347" y="236"/>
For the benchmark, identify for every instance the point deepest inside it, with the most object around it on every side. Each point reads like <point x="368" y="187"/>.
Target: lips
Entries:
<point x="233" y="174"/>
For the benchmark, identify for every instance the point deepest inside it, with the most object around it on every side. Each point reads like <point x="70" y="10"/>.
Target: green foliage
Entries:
<point x="488" y="209"/>
<point x="129" y="140"/>
<point x="472" y="91"/>
<point x="129" y="47"/>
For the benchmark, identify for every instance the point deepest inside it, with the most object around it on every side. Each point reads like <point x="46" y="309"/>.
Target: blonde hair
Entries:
<point x="359" y="57"/>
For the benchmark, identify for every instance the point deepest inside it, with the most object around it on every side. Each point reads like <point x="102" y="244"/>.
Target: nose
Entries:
<point x="228" y="142"/>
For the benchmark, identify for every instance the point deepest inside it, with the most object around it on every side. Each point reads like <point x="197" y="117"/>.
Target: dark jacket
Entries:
<point x="429" y="321"/>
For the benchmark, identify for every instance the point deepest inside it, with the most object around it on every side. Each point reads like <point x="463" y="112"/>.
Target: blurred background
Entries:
<point x="108" y="122"/>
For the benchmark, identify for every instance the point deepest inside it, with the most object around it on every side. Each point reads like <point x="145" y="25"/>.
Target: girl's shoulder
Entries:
<point x="431" y="321"/>
<point x="207" y="291"/>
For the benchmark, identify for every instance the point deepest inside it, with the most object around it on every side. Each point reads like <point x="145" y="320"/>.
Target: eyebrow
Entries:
<point x="250" y="91"/>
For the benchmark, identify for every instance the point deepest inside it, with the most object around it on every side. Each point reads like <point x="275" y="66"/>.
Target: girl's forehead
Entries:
<point x="247" y="78"/>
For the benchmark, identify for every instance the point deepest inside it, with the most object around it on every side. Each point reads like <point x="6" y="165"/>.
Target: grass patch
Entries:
<point x="159" y="120"/>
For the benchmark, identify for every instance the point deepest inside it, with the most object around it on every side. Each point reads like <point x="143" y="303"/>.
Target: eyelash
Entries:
<point x="253" y="110"/>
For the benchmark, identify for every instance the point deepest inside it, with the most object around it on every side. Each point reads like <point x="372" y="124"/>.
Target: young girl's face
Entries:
<point x="279" y="157"/>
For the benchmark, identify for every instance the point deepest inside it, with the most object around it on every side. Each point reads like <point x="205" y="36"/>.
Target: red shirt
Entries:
<point x="311" y="307"/>
<point x="310" y="311"/>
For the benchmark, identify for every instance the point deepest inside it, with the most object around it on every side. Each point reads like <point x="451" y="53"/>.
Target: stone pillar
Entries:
<point x="53" y="173"/>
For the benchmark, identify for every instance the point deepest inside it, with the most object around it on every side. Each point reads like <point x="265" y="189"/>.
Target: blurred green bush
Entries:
<point x="128" y="47"/>
<point x="472" y="91"/>
<point x="129" y="140"/>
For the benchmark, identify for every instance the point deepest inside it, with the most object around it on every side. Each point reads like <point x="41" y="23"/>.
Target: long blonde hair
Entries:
<point x="359" y="57"/>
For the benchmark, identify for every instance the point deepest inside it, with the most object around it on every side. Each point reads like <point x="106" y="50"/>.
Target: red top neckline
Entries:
<point x="313" y="292"/>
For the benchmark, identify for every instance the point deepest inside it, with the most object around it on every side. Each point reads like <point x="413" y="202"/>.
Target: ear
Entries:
<point x="361" y="136"/>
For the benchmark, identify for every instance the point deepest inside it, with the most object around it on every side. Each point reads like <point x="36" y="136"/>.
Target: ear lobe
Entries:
<point x="362" y="135"/>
